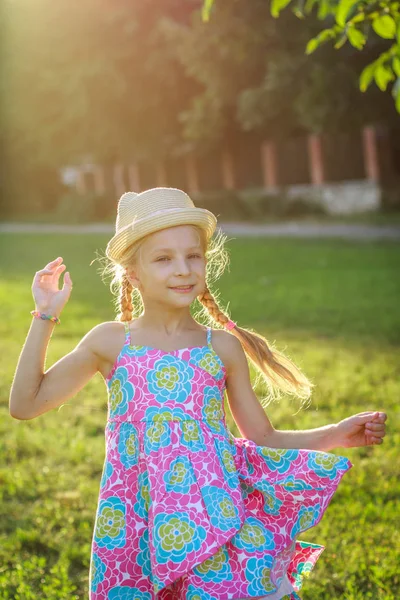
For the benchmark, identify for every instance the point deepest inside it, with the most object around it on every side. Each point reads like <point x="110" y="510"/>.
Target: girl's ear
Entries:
<point x="132" y="277"/>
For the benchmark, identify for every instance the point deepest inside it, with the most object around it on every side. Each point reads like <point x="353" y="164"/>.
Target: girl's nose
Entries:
<point x="182" y="267"/>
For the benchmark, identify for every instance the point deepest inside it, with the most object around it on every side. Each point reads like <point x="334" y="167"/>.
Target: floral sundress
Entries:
<point x="185" y="509"/>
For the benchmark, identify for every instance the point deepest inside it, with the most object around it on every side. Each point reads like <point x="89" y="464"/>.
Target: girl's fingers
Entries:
<point x="375" y="427"/>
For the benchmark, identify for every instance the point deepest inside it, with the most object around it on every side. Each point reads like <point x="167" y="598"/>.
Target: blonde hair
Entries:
<point x="277" y="371"/>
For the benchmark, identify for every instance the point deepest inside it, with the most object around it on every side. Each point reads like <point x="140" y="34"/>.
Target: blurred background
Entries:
<point x="99" y="98"/>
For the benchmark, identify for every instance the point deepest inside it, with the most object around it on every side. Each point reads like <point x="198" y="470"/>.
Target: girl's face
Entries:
<point x="170" y="259"/>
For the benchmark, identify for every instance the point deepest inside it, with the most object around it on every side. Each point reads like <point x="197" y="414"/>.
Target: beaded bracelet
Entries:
<point x="39" y="315"/>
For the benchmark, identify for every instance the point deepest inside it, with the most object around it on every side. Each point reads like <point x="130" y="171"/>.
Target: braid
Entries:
<point x="125" y="300"/>
<point x="279" y="372"/>
<point x="210" y="303"/>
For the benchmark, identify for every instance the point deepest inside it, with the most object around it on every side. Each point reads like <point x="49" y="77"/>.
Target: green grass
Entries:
<point x="331" y="305"/>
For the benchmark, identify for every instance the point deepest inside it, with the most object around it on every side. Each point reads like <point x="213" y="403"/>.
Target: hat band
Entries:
<point x="156" y="213"/>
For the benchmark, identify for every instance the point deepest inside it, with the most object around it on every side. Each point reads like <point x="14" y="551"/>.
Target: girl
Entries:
<point x="185" y="510"/>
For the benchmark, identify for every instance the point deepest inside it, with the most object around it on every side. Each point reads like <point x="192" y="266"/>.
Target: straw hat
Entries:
<point x="152" y="210"/>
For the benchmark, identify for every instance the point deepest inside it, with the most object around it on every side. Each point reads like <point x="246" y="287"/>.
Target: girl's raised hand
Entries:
<point x="48" y="298"/>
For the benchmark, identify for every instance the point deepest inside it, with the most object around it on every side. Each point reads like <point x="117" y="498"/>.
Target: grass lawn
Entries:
<point x="333" y="306"/>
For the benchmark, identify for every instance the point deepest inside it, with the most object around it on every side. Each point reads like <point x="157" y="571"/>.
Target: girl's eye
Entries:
<point x="163" y="258"/>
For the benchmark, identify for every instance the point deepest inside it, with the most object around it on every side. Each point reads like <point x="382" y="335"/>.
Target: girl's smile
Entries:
<point x="183" y="289"/>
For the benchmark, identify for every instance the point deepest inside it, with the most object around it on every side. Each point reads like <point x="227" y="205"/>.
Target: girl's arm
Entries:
<point x="33" y="391"/>
<point x="250" y="417"/>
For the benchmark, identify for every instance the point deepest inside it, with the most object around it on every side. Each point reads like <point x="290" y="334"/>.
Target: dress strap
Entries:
<point x="209" y="331"/>
<point x="127" y="332"/>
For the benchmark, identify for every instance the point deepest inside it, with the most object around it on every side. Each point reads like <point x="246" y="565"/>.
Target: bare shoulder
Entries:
<point x="228" y="348"/>
<point x="105" y="340"/>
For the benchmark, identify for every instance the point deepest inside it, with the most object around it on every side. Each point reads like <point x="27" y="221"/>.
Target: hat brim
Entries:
<point x="171" y="218"/>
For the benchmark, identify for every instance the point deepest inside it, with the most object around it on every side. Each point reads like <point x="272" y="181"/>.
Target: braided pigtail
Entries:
<point x="125" y="299"/>
<point x="280" y="373"/>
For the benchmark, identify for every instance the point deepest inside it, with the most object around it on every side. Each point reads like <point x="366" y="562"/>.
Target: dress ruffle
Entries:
<point x="204" y="527"/>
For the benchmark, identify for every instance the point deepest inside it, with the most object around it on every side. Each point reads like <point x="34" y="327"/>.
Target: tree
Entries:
<point x="353" y="21"/>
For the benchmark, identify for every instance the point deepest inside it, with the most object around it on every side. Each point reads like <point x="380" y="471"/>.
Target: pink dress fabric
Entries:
<point x="185" y="509"/>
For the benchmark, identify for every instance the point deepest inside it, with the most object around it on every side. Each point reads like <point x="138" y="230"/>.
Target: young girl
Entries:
<point x="185" y="510"/>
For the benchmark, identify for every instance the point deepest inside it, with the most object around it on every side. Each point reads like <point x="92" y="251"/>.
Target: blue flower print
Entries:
<point x="154" y="413"/>
<point x="107" y="472"/>
<point x="124" y="592"/>
<point x="128" y="445"/>
<point x="192" y="436"/>
<point x="110" y="529"/>
<point x="306" y="518"/>
<point x="216" y="568"/>
<point x="98" y="568"/>
<point x="220" y="508"/>
<point x="227" y="463"/>
<point x="180" y="476"/>
<point x="143" y="499"/>
<point x="250" y="467"/>
<point x="277" y="459"/>
<point x="258" y="572"/>
<point x="175" y="536"/>
<point x="137" y="350"/>
<point x="170" y="379"/>
<point x="143" y="557"/>
<point x="246" y="489"/>
<point x="158" y="431"/>
<point x="272" y="504"/>
<point x="326" y="464"/>
<point x="253" y="536"/>
<point x="212" y="410"/>
<point x="231" y="439"/>
<point x="208" y="360"/>
<point x="193" y="593"/>
<point x="157" y="435"/>
<point x="120" y="392"/>
<point x="290" y="483"/>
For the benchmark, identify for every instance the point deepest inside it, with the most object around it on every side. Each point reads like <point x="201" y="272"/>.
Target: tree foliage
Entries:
<point x="352" y="21"/>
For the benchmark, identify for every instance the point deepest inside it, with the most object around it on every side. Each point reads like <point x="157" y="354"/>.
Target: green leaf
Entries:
<point x="312" y="45"/>
<point x="206" y="10"/>
<point x="367" y="75"/>
<point x="396" y="65"/>
<point x="396" y="94"/>
<point x="322" y="37"/>
<point x="309" y="6"/>
<point x="277" y="6"/>
<point x="385" y="26"/>
<point x="341" y="41"/>
<point x="343" y="10"/>
<point x="383" y="75"/>
<point x="324" y="9"/>
<point x="356" y="38"/>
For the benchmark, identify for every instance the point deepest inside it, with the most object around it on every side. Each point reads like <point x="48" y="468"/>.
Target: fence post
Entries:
<point x="99" y="183"/>
<point x="228" y="175"/>
<point x="316" y="159"/>
<point x="118" y="177"/>
<point x="370" y="152"/>
<point x="269" y="164"/>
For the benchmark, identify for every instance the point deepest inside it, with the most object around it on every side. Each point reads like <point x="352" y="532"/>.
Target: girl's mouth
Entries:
<point x="183" y="289"/>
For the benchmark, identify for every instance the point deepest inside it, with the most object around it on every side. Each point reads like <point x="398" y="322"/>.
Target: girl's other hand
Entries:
<point x="363" y="429"/>
<point x="48" y="298"/>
